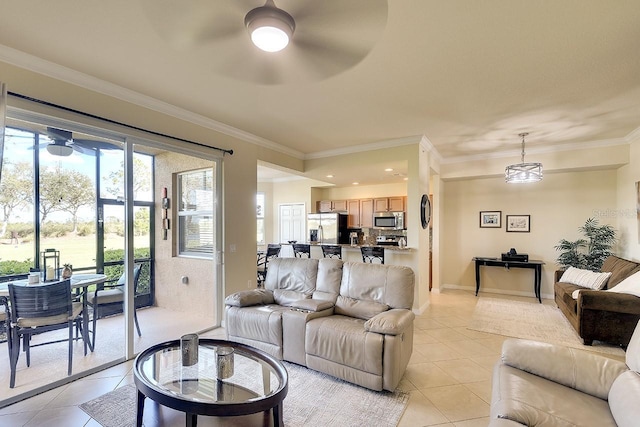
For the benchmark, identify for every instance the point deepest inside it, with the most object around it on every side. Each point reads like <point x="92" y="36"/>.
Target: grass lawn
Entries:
<point x="80" y="251"/>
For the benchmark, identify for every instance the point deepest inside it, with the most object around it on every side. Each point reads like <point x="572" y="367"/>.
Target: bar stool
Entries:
<point x="301" y="250"/>
<point x="371" y="254"/>
<point x="332" y="251"/>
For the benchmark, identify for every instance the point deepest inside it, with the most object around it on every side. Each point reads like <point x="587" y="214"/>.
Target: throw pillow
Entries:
<point x="630" y="285"/>
<point x="585" y="278"/>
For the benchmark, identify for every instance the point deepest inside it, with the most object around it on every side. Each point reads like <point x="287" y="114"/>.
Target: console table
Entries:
<point x="533" y="264"/>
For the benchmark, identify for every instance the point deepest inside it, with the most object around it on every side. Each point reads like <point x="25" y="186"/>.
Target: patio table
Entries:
<point x="78" y="281"/>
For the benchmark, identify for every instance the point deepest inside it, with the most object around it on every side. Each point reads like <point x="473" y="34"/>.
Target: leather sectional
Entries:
<point x="350" y="320"/>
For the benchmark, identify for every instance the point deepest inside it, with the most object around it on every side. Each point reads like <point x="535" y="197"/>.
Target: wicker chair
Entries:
<point x="36" y="309"/>
<point x="332" y="251"/>
<point x="372" y="254"/>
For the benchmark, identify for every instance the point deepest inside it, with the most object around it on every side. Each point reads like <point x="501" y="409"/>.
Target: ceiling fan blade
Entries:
<point x="188" y="23"/>
<point x="92" y="144"/>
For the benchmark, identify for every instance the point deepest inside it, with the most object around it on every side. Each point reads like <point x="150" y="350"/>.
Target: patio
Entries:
<point x="49" y="363"/>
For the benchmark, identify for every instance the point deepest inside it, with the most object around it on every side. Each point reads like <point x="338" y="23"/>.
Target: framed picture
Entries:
<point x="519" y="223"/>
<point x="490" y="219"/>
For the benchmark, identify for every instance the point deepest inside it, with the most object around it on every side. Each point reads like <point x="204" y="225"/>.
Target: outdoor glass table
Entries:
<point x="259" y="381"/>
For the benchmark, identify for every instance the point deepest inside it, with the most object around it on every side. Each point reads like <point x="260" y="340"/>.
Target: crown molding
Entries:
<point x="544" y="150"/>
<point x="364" y="147"/>
<point x="76" y="78"/>
<point x="634" y="135"/>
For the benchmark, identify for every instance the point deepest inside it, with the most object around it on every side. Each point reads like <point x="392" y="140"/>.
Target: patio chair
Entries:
<point x="371" y="254"/>
<point x="5" y="321"/>
<point x="36" y="309"/>
<point x="112" y="295"/>
<point x="332" y="251"/>
<point x="273" y="251"/>
<point x="301" y="250"/>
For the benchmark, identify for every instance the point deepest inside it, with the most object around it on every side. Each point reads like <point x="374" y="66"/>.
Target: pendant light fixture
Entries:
<point x="523" y="172"/>
<point x="270" y="28"/>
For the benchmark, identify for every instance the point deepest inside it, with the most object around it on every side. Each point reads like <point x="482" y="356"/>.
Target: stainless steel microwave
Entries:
<point x="388" y="220"/>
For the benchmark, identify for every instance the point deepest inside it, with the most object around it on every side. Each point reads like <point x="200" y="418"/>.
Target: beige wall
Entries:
<point x="198" y="296"/>
<point x="628" y="209"/>
<point x="363" y="191"/>
<point x="558" y="205"/>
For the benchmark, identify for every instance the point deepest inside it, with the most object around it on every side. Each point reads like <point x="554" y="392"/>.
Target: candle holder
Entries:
<point x="224" y="362"/>
<point x="50" y="265"/>
<point x="189" y="349"/>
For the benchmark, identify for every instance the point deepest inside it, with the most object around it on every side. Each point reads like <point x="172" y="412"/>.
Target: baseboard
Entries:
<point x="420" y="310"/>
<point x="496" y="291"/>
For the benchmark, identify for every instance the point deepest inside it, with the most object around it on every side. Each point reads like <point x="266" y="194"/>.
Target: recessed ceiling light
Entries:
<point x="329" y="176"/>
<point x="406" y="179"/>
<point x="388" y="170"/>
<point x="355" y="183"/>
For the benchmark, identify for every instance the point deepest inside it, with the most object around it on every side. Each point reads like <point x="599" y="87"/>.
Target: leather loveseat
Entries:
<point x="597" y="315"/>
<point x="350" y="320"/>
<point x="540" y="384"/>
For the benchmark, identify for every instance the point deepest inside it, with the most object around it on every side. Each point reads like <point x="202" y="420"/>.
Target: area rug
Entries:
<point x="534" y="321"/>
<point x="313" y="399"/>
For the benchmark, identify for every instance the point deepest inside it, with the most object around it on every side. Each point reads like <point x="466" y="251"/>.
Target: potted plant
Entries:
<point x="587" y="253"/>
<point x="67" y="271"/>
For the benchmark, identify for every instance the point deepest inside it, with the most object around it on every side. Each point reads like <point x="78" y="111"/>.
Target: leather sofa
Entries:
<point x="540" y="384"/>
<point x="350" y="320"/>
<point x="596" y="315"/>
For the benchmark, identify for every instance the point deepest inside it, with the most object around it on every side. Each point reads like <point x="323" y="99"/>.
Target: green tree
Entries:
<point x="64" y="190"/>
<point x="141" y="179"/>
<point x="16" y="190"/>
<point x="141" y="222"/>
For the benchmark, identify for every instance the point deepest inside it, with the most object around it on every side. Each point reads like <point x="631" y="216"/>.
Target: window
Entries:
<point x="260" y="217"/>
<point x="196" y="213"/>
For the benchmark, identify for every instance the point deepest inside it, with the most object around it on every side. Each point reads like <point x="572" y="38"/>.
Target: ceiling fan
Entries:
<point x="326" y="37"/>
<point x="63" y="144"/>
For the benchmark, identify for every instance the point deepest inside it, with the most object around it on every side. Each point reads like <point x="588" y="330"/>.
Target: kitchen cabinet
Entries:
<point x="366" y="213"/>
<point x="389" y="204"/>
<point x="353" y="212"/>
<point x="332" y="206"/>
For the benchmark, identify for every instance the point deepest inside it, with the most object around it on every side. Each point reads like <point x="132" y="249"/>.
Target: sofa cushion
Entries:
<point x="534" y="401"/>
<point x="630" y="285"/>
<point x="329" y="278"/>
<point x="358" y="308"/>
<point x="292" y="274"/>
<point x="343" y="340"/>
<point x="623" y="399"/>
<point x="287" y="298"/>
<point x="260" y="323"/>
<point x="585" y="278"/>
<point x="620" y="269"/>
<point x="385" y="284"/>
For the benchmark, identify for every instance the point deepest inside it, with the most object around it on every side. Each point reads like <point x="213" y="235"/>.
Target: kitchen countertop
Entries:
<point x="348" y="246"/>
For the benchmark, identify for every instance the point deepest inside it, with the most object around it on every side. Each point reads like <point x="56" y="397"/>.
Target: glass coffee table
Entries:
<point x="258" y="383"/>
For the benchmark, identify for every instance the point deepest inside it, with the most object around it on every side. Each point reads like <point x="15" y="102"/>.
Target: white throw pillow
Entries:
<point x="585" y="278"/>
<point x="630" y="285"/>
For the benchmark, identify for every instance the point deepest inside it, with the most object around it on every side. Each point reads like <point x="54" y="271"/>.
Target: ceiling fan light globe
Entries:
<point x="270" y="39"/>
<point x="59" y="150"/>
<point x="270" y="28"/>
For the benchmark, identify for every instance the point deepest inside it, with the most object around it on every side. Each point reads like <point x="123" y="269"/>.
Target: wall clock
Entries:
<point x="425" y="211"/>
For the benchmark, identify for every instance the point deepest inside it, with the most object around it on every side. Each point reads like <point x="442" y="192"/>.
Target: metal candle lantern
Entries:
<point x="50" y="265"/>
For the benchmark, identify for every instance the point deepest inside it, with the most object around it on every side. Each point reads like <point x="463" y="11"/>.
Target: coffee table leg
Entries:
<point x="277" y="416"/>
<point x="192" y="420"/>
<point x="140" y="409"/>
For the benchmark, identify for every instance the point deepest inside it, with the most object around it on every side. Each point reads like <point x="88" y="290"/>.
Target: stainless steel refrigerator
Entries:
<point x="328" y="228"/>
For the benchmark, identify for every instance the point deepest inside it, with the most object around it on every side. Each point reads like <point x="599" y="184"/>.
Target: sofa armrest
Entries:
<point x="250" y="297"/>
<point x="312" y="305"/>
<point x="558" y="274"/>
<point x="608" y="301"/>
<point x="580" y="370"/>
<point x="390" y="322"/>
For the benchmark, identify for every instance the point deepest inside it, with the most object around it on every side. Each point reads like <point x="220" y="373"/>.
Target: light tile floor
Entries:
<point x="448" y="378"/>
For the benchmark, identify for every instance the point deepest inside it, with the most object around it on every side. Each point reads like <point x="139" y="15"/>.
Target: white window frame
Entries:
<point x="182" y="213"/>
